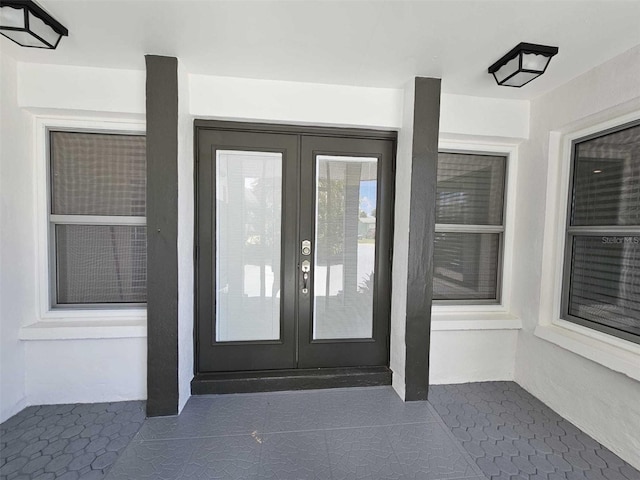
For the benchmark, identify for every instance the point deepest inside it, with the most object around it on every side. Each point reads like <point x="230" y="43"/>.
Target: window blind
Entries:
<point x="602" y="278"/>
<point x="469" y="226"/>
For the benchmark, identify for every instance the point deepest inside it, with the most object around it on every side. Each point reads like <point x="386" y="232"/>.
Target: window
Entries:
<point x="97" y="208"/>
<point x="601" y="281"/>
<point x="469" y="228"/>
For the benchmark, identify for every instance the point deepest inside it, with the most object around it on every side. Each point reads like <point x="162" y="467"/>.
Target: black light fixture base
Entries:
<point x="29" y="25"/>
<point x="529" y="65"/>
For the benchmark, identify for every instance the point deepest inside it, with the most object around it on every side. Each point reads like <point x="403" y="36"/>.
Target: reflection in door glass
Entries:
<point x="346" y="192"/>
<point x="248" y="218"/>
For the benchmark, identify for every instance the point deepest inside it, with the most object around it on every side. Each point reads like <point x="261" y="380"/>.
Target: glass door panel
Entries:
<point x="345" y="216"/>
<point x="248" y="230"/>
<point x="345" y="232"/>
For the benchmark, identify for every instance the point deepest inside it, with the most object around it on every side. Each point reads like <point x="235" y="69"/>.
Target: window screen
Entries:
<point x="101" y="263"/>
<point x="602" y="263"/>
<point x="94" y="174"/>
<point x="469" y="227"/>
<point x="97" y="217"/>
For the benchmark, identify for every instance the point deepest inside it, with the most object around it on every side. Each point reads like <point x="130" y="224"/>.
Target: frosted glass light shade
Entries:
<point x="27" y="24"/>
<point x="534" y="61"/>
<point x="522" y="64"/>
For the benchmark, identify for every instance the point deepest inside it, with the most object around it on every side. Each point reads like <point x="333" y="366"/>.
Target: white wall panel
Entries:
<point x="93" y="369"/>
<point x="85" y="371"/>
<point x="472" y="356"/>
<point x="185" y="240"/>
<point x="81" y="88"/>
<point x="17" y="241"/>
<point x="599" y="400"/>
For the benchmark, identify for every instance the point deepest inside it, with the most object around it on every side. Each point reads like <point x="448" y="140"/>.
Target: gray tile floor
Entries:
<point x="470" y="432"/>
<point x="67" y="441"/>
<point x="323" y="434"/>
<point x="513" y="435"/>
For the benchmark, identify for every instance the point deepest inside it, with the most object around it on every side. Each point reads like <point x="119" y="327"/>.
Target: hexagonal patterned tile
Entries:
<point x="523" y="439"/>
<point x="495" y="428"/>
<point x="67" y="442"/>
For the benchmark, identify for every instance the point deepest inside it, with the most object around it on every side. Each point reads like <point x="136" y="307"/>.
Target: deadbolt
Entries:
<point x="306" y="247"/>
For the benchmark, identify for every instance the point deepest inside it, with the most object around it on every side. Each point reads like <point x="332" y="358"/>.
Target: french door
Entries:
<point x="293" y="248"/>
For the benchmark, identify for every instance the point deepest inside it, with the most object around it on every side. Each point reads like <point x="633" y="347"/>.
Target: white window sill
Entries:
<point x="85" y="329"/>
<point x="611" y="352"/>
<point x="473" y="320"/>
<point x="93" y="314"/>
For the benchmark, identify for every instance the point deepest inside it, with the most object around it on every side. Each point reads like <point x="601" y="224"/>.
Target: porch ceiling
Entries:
<point x="367" y="43"/>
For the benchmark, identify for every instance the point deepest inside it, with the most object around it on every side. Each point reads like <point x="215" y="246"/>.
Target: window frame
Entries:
<point x="612" y="352"/>
<point x="570" y="232"/>
<point x="479" y="229"/>
<point x="486" y="314"/>
<point x="50" y="310"/>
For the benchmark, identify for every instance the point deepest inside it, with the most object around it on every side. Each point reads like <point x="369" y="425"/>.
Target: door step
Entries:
<point x="295" y="379"/>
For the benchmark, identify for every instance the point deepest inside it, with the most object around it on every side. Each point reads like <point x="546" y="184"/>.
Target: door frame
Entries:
<point x="234" y="382"/>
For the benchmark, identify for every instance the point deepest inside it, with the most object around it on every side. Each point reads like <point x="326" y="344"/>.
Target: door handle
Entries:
<point x="306" y="268"/>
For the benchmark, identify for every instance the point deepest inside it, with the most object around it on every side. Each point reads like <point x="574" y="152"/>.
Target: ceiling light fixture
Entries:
<point x="29" y="25"/>
<point x="522" y="64"/>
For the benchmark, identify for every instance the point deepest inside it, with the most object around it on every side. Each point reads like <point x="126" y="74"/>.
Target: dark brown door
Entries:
<point x="345" y="211"/>
<point x="294" y="241"/>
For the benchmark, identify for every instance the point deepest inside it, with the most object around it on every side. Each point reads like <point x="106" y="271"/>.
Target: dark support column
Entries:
<point x="162" y="235"/>
<point x="424" y="161"/>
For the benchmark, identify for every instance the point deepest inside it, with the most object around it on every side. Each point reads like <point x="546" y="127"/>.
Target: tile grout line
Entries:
<point x="277" y="432"/>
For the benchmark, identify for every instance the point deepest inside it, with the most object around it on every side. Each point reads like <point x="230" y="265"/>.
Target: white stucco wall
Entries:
<point x="463" y="356"/>
<point x="604" y="403"/>
<point x="86" y="370"/>
<point x="463" y="118"/>
<point x="87" y="89"/>
<point x="398" y="351"/>
<point x="379" y="108"/>
<point x="186" y="268"/>
<point x="459" y="354"/>
<point x="98" y="369"/>
<point x="17" y="267"/>
<point x="81" y="365"/>
<point x="303" y="103"/>
<point x="72" y="361"/>
<point x="483" y="117"/>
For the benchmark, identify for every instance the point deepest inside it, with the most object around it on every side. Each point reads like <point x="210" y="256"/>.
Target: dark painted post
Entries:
<point x="162" y="235"/>
<point x="424" y="161"/>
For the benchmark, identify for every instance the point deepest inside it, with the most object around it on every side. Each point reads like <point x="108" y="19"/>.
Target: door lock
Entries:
<point x="306" y="268"/>
<point x="306" y="247"/>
